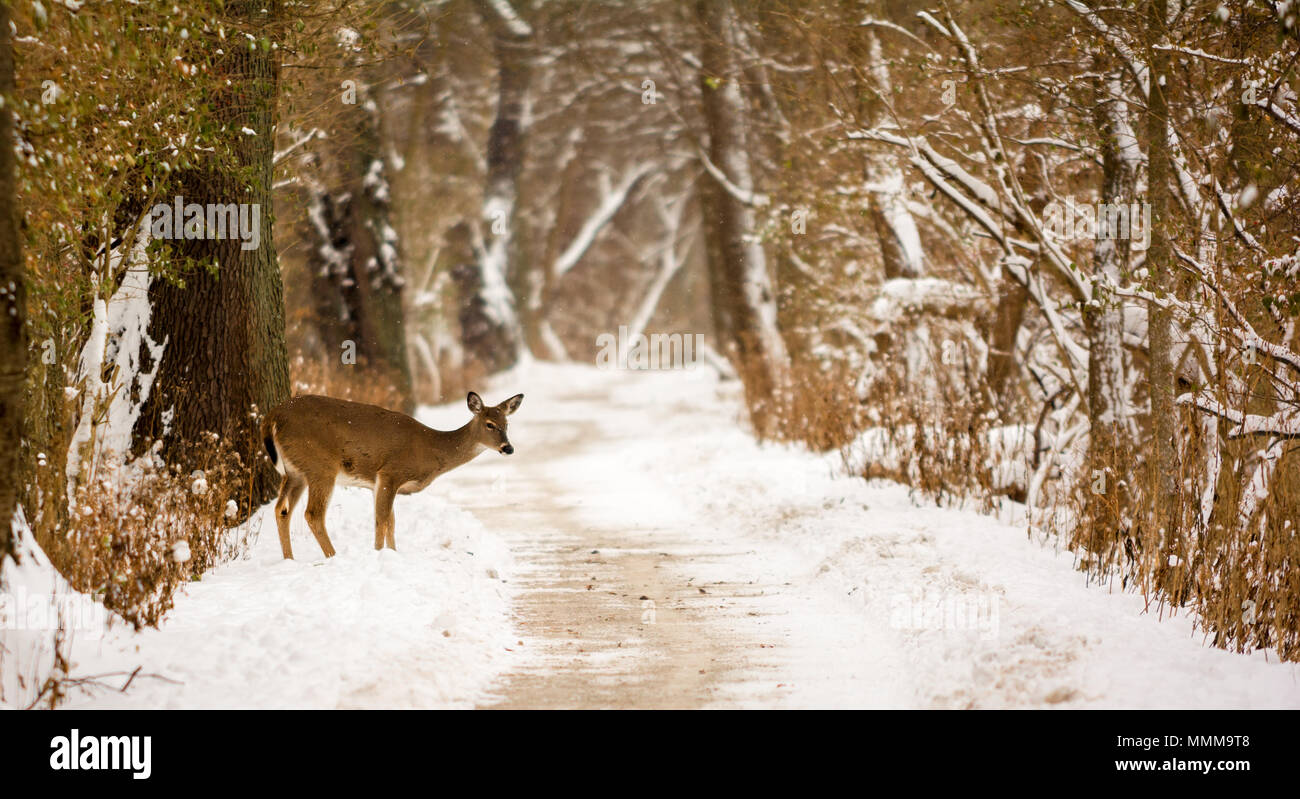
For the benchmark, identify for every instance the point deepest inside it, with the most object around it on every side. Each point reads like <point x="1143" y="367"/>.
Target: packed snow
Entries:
<point x="423" y="626"/>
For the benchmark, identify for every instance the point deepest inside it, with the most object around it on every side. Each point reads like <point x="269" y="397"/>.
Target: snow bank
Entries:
<point x="34" y="599"/>
<point x="425" y="626"/>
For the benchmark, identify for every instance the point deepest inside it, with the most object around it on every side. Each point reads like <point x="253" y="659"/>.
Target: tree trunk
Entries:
<point x="13" y="304"/>
<point x="1009" y="315"/>
<point x="490" y="328"/>
<point x="1109" y="447"/>
<point x="742" y="289"/>
<point x="1163" y="463"/>
<point x="224" y="359"/>
<point x="541" y="278"/>
<point x="357" y="272"/>
<point x="900" y="242"/>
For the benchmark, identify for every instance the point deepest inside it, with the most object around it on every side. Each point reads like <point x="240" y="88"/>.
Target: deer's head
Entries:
<point x="490" y="421"/>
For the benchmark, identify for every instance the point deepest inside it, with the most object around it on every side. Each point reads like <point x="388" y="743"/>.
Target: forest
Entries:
<point x="1030" y="260"/>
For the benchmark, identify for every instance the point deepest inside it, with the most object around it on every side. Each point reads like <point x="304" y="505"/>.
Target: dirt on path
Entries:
<point x="613" y="617"/>
<point x="628" y="593"/>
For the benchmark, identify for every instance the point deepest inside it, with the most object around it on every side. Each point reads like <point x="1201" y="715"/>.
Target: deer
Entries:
<point x="315" y="442"/>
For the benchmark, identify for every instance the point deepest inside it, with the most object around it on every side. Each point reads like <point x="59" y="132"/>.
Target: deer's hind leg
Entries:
<point x="385" y="491"/>
<point x="291" y="488"/>
<point x="319" y="489"/>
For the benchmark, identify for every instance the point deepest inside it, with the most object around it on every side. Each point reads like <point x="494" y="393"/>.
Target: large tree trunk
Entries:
<point x="1109" y="447"/>
<point x="490" y="328"/>
<point x="1163" y="463"/>
<point x="357" y="273"/>
<point x="224" y="357"/>
<point x="13" y="303"/>
<point x="743" y="297"/>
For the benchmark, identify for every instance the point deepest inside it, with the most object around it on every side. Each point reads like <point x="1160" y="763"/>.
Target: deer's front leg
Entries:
<point x="385" y="491"/>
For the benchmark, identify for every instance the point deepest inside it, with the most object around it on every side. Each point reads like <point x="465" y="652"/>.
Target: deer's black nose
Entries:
<point x="508" y="449"/>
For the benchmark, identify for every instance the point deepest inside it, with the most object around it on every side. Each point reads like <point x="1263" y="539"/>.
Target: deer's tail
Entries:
<point x="268" y="439"/>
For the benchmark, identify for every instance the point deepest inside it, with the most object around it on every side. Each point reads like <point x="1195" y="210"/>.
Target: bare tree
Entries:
<point x="490" y="327"/>
<point x="743" y="299"/>
<point x="355" y="257"/>
<point x="1109" y="410"/>
<point x="1159" y="263"/>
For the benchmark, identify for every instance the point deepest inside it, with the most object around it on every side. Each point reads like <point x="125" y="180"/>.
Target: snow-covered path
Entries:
<point x="668" y="560"/>
<point x="632" y="600"/>
<point x="641" y="550"/>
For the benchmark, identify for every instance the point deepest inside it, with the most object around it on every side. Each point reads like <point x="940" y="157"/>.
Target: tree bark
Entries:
<point x="224" y="360"/>
<point x="743" y="297"/>
<point x="13" y="304"/>
<point x="900" y="242"/>
<point x="1163" y="463"/>
<point x="490" y="327"/>
<point x="1109" y="447"/>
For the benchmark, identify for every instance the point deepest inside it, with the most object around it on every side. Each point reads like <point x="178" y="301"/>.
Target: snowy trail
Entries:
<point x="640" y="549"/>
<point x="776" y="583"/>
<point x="628" y="602"/>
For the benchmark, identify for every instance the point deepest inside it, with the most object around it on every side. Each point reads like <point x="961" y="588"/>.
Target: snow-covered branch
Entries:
<point x="751" y="198"/>
<point x="506" y="16"/>
<point x="612" y="200"/>
<point x="1136" y="66"/>
<point x="314" y="133"/>
<point x="1285" y="423"/>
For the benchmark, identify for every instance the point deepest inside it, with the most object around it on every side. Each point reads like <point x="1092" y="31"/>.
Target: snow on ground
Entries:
<point x="859" y="594"/>
<point x="887" y="601"/>
<point x="420" y="627"/>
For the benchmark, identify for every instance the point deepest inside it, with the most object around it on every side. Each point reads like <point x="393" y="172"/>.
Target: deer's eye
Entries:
<point x="491" y="426"/>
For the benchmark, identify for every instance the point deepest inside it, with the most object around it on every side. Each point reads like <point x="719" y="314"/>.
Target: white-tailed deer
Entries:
<point x="315" y="441"/>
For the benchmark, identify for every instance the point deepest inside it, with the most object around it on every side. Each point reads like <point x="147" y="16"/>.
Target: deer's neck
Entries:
<point x="456" y="447"/>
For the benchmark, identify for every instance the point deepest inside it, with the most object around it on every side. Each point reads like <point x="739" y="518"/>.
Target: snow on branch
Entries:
<point x="1280" y="114"/>
<point x="1245" y="331"/>
<point x="509" y="18"/>
<point x="1198" y="53"/>
<point x="1225" y="206"/>
<point x="939" y="170"/>
<point x="929" y="296"/>
<point x="1285" y="423"/>
<point x="314" y="133"/>
<point x="873" y="22"/>
<point x="611" y="201"/>
<point x="748" y="197"/>
<point x="1136" y="66"/>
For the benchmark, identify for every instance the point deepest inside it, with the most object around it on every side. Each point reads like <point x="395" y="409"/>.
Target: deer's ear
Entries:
<point x="511" y="405"/>
<point x="475" y="403"/>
